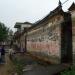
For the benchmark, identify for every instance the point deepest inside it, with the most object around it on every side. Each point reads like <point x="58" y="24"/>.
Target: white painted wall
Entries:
<point x="25" y="26"/>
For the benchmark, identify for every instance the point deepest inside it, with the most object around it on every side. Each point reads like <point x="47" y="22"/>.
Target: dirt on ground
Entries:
<point x="7" y="68"/>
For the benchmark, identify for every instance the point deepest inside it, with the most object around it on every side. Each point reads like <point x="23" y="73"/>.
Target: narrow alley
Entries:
<point x="31" y="66"/>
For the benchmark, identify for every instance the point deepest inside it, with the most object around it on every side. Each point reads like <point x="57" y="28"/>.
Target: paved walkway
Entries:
<point x="44" y="70"/>
<point x="34" y="67"/>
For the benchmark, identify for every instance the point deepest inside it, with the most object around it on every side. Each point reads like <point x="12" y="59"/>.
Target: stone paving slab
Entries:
<point x="34" y="68"/>
<point x="45" y="70"/>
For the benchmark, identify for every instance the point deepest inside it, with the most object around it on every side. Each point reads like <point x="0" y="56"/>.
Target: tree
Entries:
<point x="3" y="32"/>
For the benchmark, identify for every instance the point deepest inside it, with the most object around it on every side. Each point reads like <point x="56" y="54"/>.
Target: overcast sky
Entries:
<point x="12" y="11"/>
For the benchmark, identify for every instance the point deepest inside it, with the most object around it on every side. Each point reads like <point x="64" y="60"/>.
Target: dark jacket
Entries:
<point x="2" y="51"/>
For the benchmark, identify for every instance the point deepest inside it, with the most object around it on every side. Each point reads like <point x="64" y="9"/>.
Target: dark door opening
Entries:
<point x="66" y="39"/>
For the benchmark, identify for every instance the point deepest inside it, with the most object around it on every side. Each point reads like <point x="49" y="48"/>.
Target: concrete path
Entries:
<point x="44" y="70"/>
<point x="33" y="67"/>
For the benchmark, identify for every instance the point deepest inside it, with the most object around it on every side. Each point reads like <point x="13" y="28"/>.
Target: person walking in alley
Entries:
<point x="11" y="52"/>
<point x="2" y="54"/>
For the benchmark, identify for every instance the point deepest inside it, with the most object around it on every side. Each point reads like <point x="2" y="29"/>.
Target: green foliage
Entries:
<point x="19" y="64"/>
<point x="70" y="71"/>
<point x="3" y="32"/>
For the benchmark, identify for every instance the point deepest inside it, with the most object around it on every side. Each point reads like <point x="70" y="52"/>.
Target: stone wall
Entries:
<point x="46" y="39"/>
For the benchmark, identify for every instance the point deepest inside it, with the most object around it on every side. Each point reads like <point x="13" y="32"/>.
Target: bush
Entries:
<point x="70" y="71"/>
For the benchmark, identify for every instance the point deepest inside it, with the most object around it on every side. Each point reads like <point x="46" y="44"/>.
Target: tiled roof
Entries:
<point x="51" y="14"/>
<point x="72" y="7"/>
